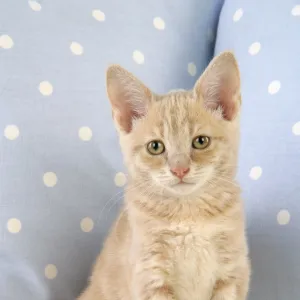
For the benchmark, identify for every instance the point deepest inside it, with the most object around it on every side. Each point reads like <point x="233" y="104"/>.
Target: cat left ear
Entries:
<point x="128" y="96"/>
<point x="219" y="86"/>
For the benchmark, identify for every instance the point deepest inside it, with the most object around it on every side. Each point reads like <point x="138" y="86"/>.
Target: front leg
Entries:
<point x="232" y="289"/>
<point x="225" y="291"/>
<point x="152" y="274"/>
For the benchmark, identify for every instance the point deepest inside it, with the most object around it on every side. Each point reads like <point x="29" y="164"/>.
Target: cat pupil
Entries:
<point x="155" y="145"/>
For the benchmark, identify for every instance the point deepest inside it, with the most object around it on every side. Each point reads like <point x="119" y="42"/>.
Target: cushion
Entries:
<point x="263" y="35"/>
<point x="61" y="171"/>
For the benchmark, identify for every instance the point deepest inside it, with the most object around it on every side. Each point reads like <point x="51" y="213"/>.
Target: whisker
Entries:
<point x="116" y="200"/>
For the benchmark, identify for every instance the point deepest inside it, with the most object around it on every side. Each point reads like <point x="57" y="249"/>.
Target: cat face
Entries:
<point x="178" y="144"/>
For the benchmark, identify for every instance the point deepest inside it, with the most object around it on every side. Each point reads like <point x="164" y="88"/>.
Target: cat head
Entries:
<point x="182" y="142"/>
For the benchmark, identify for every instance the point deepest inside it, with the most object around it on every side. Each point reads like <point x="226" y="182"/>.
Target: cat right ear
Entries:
<point x="219" y="86"/>
<point x="128" y="96"/>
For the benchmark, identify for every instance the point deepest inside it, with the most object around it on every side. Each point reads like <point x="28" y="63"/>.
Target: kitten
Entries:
<point x="181" y="232"/>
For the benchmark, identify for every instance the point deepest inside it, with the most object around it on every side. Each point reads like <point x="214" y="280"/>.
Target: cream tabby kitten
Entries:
<point x="181" y="232"/>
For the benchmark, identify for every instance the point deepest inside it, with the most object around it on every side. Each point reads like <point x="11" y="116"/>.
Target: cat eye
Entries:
<point x="201" y="142"/>
<point x="155" y="147"/>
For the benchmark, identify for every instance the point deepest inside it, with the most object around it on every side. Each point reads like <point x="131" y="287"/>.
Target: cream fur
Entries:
<point x="171" y="240"/>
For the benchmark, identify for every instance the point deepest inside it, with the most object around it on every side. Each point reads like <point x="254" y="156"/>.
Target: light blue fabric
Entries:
<point x="270" y="137"/>
<point x="59" y="151"/>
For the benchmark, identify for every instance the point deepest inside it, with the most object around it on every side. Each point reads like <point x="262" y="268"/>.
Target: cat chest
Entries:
<point x="195" y="266"/>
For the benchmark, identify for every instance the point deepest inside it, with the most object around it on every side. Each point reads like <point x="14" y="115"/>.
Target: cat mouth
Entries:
<point x="182" y="182"/>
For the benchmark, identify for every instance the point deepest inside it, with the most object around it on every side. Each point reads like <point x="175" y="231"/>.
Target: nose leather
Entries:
<point x="180" y="172"/>
<point x="179" y="165"/>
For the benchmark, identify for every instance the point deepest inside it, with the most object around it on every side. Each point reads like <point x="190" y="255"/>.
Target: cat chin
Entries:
<point x="184" y="188"/>
<point x="181" y="189"/>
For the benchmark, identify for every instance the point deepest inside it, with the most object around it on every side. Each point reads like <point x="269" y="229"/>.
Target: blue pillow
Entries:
<point x="60" y="164"/>
<point x="265" y="38"/>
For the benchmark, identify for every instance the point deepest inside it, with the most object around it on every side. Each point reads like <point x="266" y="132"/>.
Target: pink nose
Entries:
<point x="180" y="172"/>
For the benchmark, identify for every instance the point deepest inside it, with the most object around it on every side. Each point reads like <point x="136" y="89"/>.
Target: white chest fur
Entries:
<point x="195" y="264"/>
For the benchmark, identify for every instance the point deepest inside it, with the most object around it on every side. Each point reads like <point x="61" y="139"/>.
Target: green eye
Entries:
<point x="155" y="147"/>
<point x="201" y="142"/>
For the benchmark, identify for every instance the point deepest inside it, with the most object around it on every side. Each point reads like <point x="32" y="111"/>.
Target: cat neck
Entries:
<point x="209" y="203"/>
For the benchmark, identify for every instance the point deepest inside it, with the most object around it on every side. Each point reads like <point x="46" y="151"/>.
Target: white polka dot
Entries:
<point x="283" y="217"/>
<point x="14" y="225"/>
<point x="120" y="179"/>
<point x="192" y="69"/>
<point x="45" y="88"/>
<point x="85" y="133"/>
<point x="274" y="87"/>
<point x="296" y="128"/>
<point x="76" y="48"/>
<point x="138" y="57"/>
<point x="296" y="11"/>
<point x="35" y="5"/>
<point x="50" y="179"/>
<point x="11" y="132"/>
<point x="254" y="48"/>
<point x="255" y="173"/>
<point x="87" y="224"/>
<point x="98" y="15"/>
<point x="238" y="14"/>
<point x="6" y="42"/>
<point x="50" y="271"/>
<point x="159" y="23"/>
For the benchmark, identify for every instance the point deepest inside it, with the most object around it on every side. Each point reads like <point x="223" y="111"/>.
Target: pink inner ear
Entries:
<point x="227" y="103"/>
<point x="124" y="115"/>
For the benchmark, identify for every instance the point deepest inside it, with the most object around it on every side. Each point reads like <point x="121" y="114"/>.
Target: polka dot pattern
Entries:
<point x="98" y="15"/>
<point x="192" y="69"/>
<point x="238" y="15"/>
<point x="11" y="132"/>
<point x="51" y="271"/>
<point x="263" y="37"/>
<point x="255" y="173"/>
<point x="120" y="179"/>
<point x="283" y="217"/>
<point x="6" y="42"/>
<point x="138" y="57"/>
<point x="85" y="133"/>
<point x="87" y="224"/>
<point x="76" y="48"/>
<point x="50" y="179"/>
<point x="296" y="128"/>
<point x="58" y="145"/>
<point x="14" y="225"/>
<point x="254" y="48"/>
<point x="34" y="5"/>
<point x="274" y="87"/>
<point x="296" y="11"/>
<point x="159" y="23"/>
<point x="45" y="88"/>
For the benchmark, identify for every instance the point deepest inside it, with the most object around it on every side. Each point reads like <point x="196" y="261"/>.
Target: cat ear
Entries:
<point x="219" y="86"/>
<point x="129" y="97"/>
